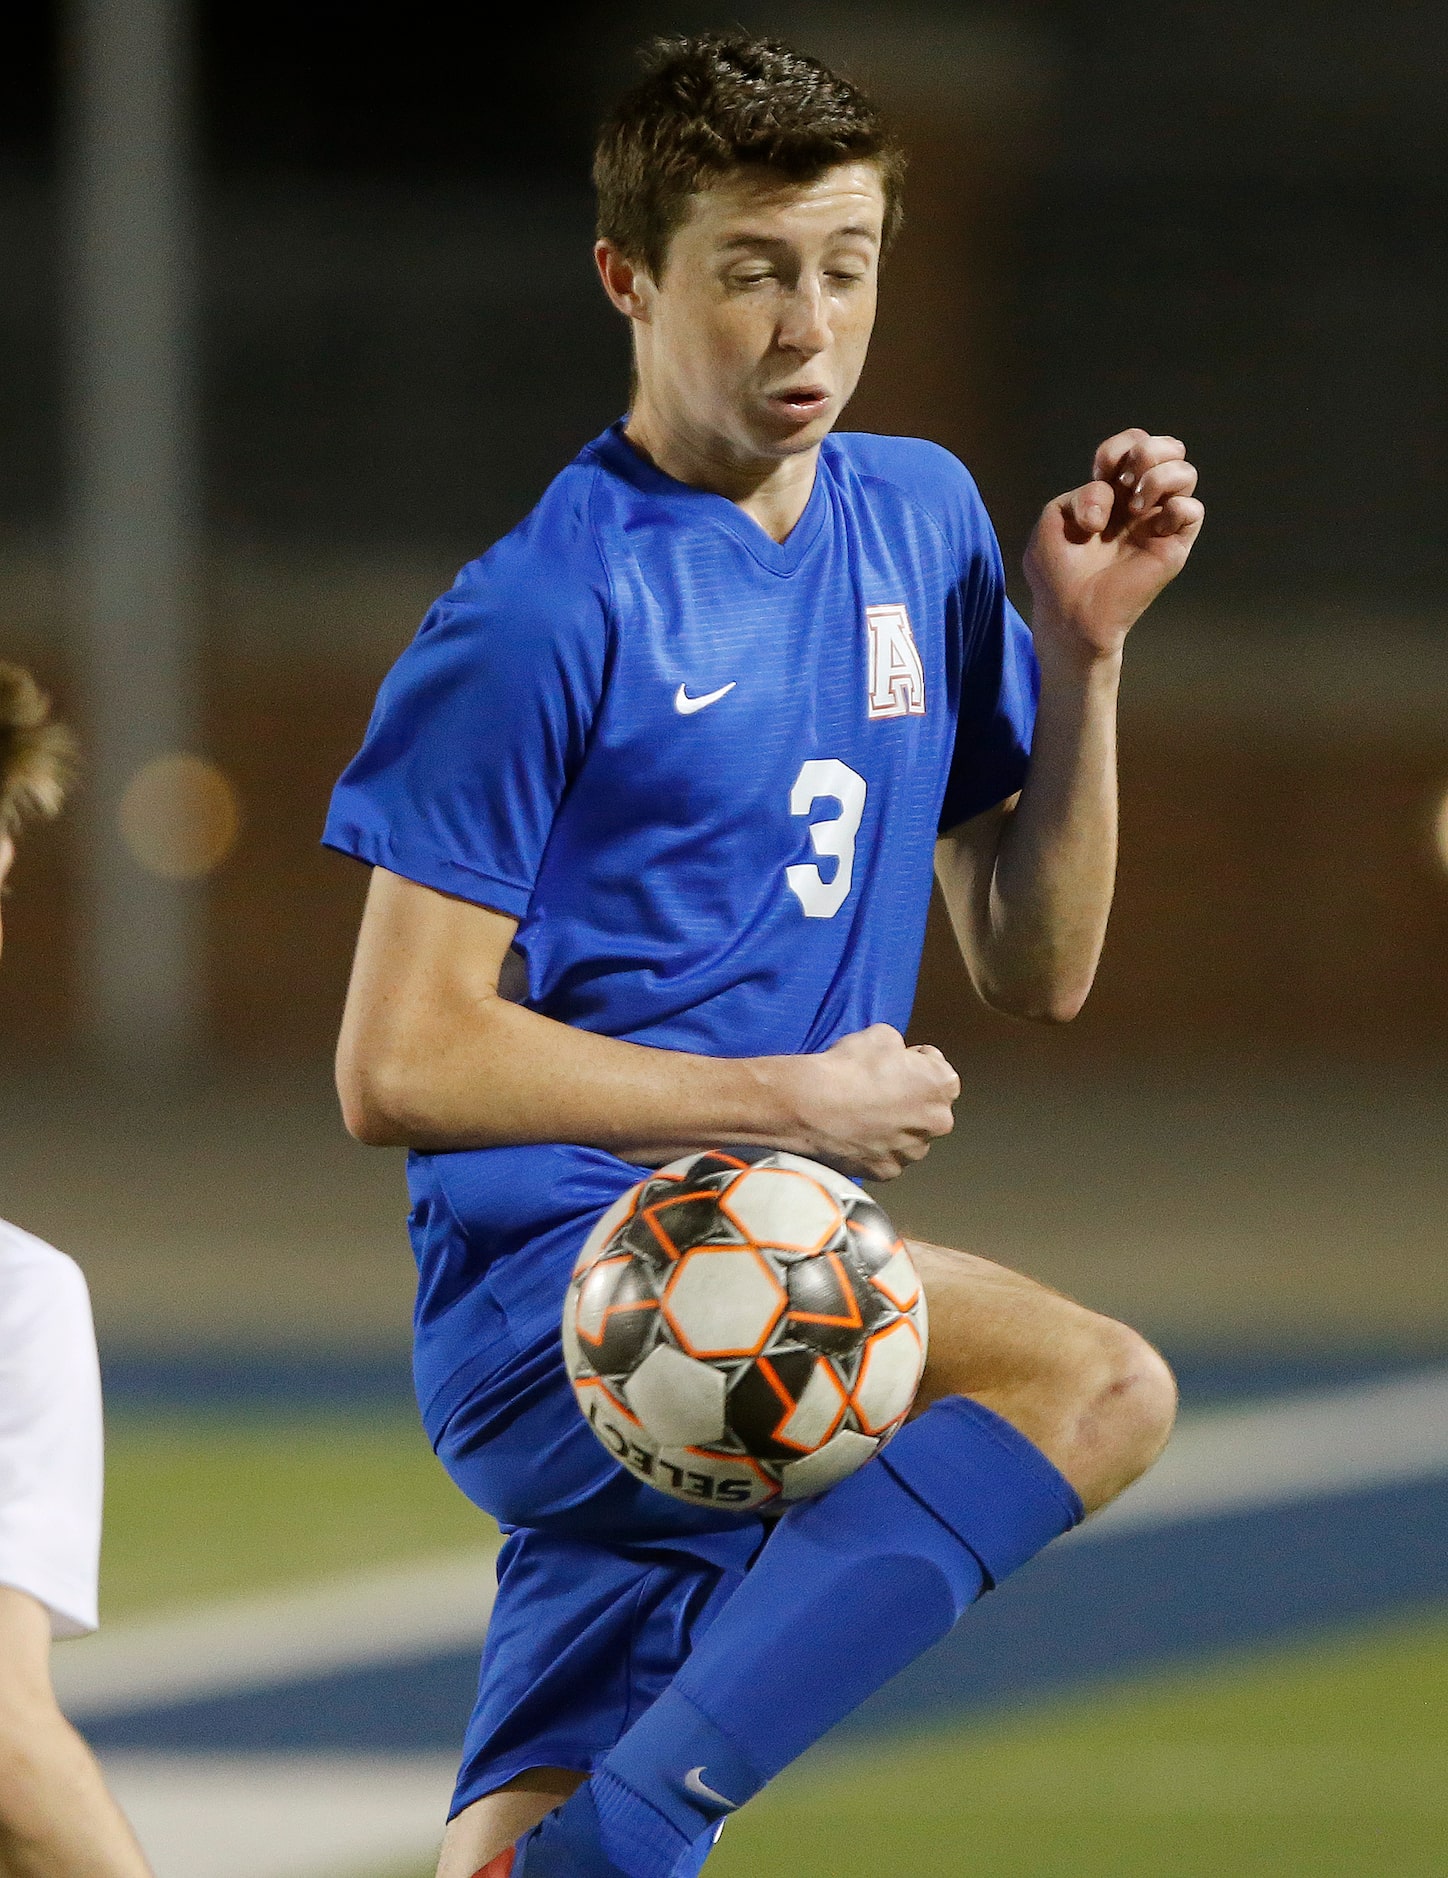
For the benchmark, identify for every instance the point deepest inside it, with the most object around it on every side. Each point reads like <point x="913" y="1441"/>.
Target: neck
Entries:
<point x="772" y="491"/>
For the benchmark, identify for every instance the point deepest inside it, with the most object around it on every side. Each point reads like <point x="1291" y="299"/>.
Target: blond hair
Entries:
<point x="37" y="757"/>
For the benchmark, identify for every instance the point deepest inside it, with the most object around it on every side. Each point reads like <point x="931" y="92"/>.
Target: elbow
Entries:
<point x="1050" y="1014"/>
<point x="368" y="1123"/>
<point x="1058" y="1011"/>
<point x="1060" y="1006"/>
<point x="1045" y="1004"/>
<point x="373" y="1098"/>
<point x="1044" y="984"/>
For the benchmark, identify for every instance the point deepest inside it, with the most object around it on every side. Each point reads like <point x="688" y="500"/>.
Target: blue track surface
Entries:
<point x="244" y="1382"/>
<point x="1083" y="1611"/>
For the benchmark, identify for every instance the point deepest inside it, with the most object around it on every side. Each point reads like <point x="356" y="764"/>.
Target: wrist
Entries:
<point x="1070" y="638"/>
<point x="1067" y="658"/>
<point x="775" y="1096"/>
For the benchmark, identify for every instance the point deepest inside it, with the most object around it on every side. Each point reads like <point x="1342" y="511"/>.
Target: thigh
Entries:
<point x="998" y="1336"/>
<point x="1093" y="1395"/>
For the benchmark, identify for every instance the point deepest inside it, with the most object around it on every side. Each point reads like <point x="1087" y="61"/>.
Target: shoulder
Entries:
<point x="45" y="1311"/>
<point x="30" y="1266"/>
<point x="521" y="637"/>
<point x="924" y="475"/>
<point x="545" y="577"/>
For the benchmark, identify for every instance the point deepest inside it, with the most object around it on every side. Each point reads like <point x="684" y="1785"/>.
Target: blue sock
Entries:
<point x="850" y="1588"/>
<point x="569" y="1845"/>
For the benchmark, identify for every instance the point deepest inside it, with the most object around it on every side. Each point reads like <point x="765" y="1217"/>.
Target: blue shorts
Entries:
<point x="603" y="1583"/>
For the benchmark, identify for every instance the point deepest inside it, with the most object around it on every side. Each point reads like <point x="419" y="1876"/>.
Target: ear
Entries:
<point x="625" y="282"/>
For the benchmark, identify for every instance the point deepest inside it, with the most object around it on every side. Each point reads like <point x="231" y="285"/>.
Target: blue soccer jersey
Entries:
<point x="702" y="769"/>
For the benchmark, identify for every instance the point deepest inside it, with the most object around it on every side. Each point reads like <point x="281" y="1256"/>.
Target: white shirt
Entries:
<point x="50" y="1433"/>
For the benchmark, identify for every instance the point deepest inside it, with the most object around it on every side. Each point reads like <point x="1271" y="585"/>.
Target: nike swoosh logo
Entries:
<point x="692" y="1782"/>
<point x="686" y="706"/>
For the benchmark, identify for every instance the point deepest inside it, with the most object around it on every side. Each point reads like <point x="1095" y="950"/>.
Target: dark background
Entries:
<point x="1223" y="220"/>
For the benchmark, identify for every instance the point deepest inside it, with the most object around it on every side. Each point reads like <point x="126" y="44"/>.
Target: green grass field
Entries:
<point x="198" y="1508"/>
<point x="1321" y="1761"/>
<point x="1331" y="1759"/>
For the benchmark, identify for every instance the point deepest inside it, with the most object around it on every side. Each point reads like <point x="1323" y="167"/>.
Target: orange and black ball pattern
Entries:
<point x="744" y="1326"/>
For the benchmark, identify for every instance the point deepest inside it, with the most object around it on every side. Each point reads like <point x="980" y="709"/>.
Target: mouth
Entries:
<point x="801" y="402"/>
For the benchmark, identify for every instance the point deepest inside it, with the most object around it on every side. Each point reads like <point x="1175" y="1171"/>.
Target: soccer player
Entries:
<point x="57" y="1819"/>
<point x="651" y="805"/>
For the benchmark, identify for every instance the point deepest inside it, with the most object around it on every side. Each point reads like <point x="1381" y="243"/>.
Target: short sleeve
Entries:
<point x="999" y="688"/>
<point x="50" y="1433"/>
<point x="477" y="733"/>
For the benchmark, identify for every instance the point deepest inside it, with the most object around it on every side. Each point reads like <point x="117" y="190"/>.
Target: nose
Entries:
<point x="804" y="326"/>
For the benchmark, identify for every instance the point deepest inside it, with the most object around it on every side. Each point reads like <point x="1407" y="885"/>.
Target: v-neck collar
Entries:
<point x="779" y="557"/>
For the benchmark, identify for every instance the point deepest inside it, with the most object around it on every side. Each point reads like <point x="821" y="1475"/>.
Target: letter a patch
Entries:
<point x="897" y="680"/>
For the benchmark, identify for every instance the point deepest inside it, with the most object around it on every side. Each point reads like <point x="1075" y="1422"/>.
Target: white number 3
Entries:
<point x="822" y="898"/>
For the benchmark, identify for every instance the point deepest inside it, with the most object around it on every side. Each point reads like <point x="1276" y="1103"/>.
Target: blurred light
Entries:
<point x="1440" y="832"/>
<point x="179" y="817"/>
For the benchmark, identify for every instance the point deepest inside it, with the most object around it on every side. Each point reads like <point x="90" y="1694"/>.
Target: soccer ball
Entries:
<point x="744" y="1326"/>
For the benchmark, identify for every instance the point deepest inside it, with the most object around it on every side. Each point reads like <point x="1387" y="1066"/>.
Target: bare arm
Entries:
<point x="57" y="1820"/>
<point x="1028" y="885"/>
<point x="432" y="1056"/>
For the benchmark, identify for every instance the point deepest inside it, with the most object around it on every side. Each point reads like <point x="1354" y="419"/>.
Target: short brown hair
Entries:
<point x="37" y="757"/>
<point x="719" y="102"/>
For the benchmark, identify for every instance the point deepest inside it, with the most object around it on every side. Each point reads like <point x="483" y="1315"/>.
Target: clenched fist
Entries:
<point x="870" y="1105"/>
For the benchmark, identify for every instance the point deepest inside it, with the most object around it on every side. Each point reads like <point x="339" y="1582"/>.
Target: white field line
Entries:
<point x="390" y="1615"/>
<point x="1222" y="1461"/>
<point x="283" y="1816"/>
<point x="1332" y="1441"/>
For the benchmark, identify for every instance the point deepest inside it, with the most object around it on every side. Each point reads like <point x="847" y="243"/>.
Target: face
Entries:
<point x="751" y="344"/>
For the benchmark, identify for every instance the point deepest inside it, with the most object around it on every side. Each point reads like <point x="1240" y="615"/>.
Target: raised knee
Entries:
<point x="1138" y="1390"/>
<point x="1126" y="1405"/>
